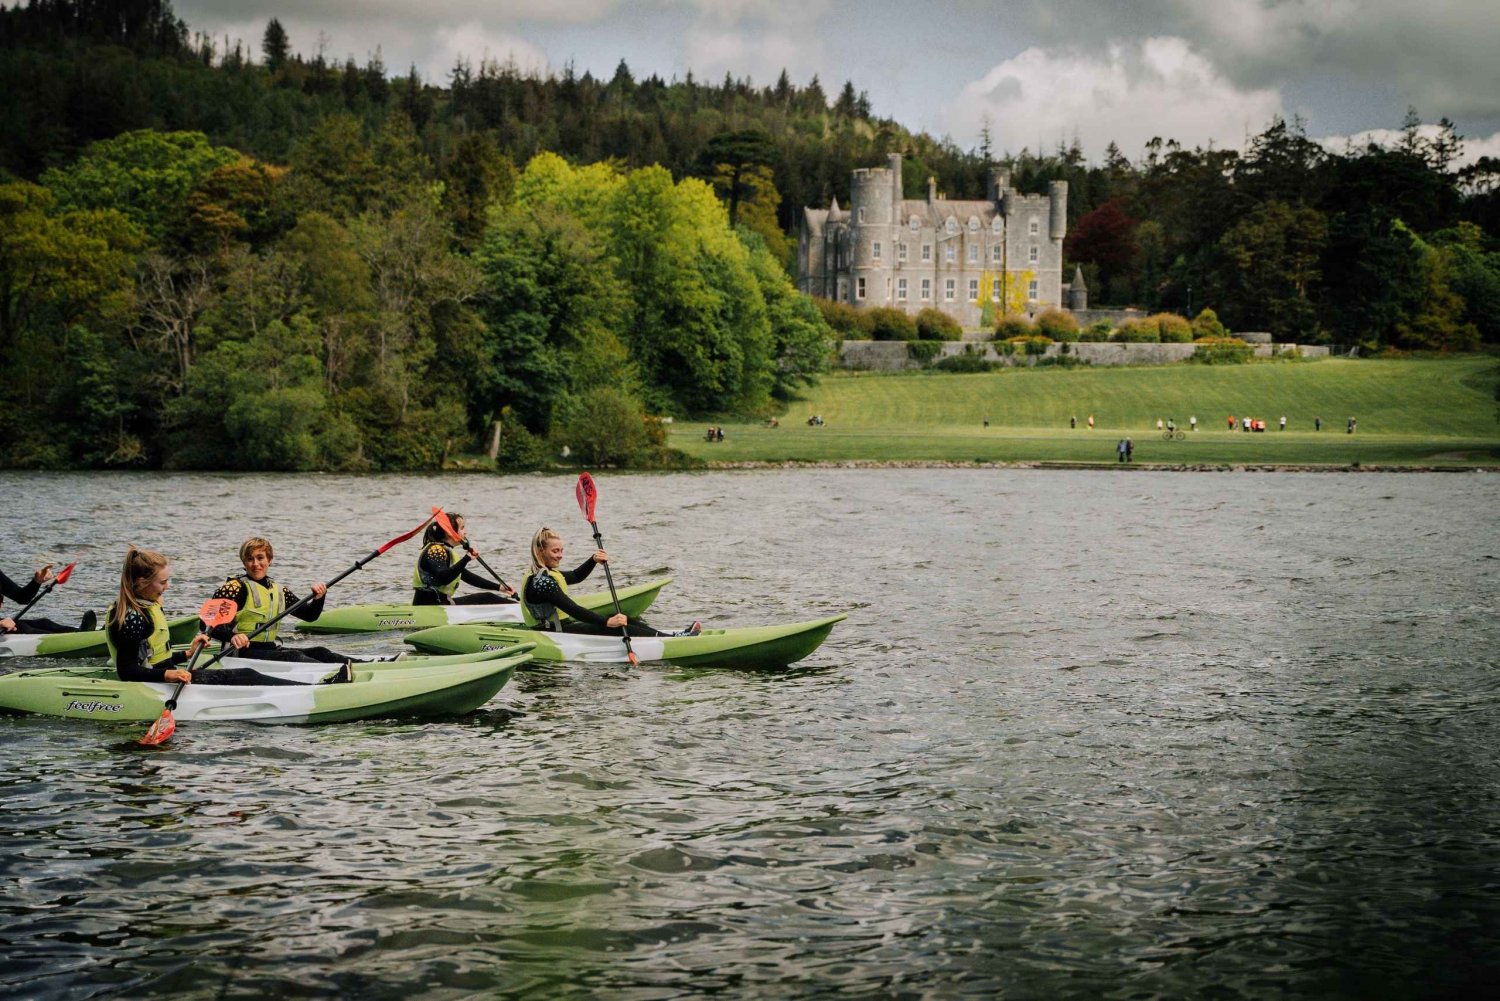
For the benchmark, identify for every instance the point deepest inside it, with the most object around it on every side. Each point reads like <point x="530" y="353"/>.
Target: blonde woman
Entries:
<point x="544" y="594"/>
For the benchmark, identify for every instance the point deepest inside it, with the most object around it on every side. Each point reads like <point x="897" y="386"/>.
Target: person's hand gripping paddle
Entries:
<point x="439" y="516"/>
<point x="61" y="578"/>
<point x="587" y="495"/>
<point x="214" y="612"/>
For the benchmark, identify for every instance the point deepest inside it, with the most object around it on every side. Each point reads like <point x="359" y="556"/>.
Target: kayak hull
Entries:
<point x="384" y="618"/>
<point x="753" y="648"/>
<point x="378" y="690"/>
<point x="88" y="643"/>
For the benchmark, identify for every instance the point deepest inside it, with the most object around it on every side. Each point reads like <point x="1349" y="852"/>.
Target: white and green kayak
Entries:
<point x="415" y="687"/>
<point x="383" y="618"/>
<point x="752" y="647"/>
<point x="88" y="643"/>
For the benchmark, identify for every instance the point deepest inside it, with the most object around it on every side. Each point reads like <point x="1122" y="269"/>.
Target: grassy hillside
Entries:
<point x="1409" y="412"/>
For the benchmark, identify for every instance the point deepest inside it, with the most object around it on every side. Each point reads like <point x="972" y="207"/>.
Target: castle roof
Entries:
<point x="936" y="214"/>
<point x="1078" y="278"/>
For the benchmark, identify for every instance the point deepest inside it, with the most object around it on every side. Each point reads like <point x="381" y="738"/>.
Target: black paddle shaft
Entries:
<point x="39" y="596"/>
<point x="609" y="579"/>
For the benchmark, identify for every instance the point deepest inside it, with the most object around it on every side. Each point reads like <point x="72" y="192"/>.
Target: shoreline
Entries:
<point x="1156" y="467"/>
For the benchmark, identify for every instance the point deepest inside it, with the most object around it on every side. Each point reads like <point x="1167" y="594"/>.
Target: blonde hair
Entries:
<point x="140" y="566"/>
<point x="539" y="541"/>
<point x="253" y="543"/>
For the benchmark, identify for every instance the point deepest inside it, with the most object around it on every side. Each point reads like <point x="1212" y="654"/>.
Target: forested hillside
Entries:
<point x="219" y="258"/>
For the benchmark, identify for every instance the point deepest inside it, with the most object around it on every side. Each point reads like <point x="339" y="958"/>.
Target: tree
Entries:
<point x="274" y="45"/>
<point x="1270" y="265"/>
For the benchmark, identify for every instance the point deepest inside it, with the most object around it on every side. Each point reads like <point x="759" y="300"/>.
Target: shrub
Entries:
<point x="1033" y="344"/>
<point x="1206" y="324"/>
<point x="1221" y="351"/>
<point x="887" y="324"/>
<point x="851" y="323"/>
<point x="1013" y="325"/>
<point x="1096" y="332"/>
<point x="966" y="362"/>
<point x="923" y="350"/>
<point x="1058" y="324"/>
<point x="1173" y="328"/>
<point x="1061" y="361"/>
<point x="520" y="449"/>
<point x="603" y="427"/>
<point x="935" y="325"/>
<point x="1135" y="331"/>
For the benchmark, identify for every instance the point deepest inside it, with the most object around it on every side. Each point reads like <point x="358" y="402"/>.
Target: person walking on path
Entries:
<point x="1129" y="450"/>
<point x="1192" y="423"/>
<point x="1317" y="423"/>
<point x="1283" y="422"/>
<point x="1120" y="448"/>
<point x="1073" y="423"/>
<point x="1091" y="422"/>
<point x="1231" y="422"/>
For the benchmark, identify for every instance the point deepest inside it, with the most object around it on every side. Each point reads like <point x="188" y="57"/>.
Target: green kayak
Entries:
<point x="752" y="647"/>
<point x="79" y="644"/>
<point x="415" y="687"/>
<point x="383" y="618"/>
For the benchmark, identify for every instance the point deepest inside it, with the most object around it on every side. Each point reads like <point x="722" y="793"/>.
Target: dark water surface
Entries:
<point x="1084" y="734"/>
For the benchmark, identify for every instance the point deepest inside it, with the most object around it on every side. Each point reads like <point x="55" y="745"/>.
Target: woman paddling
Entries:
<point x="140" y="642"/>
<point x="22" y="594"/>
<point x="260" y="599"/>
<point x="544" y="595"/>
<point x="443" y="563"/>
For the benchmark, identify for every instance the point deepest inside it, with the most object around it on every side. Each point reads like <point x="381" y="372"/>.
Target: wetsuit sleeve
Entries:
<point x="542" y="589"/>
<point x="235" y="592"/>
<point x="129" y="639"/>
<point x="18" y="592"/>
<point x="434" y="567"/>
<point x="474" y="580"/>
<point x="309" y="611"/>
<point x="579" y="573"/>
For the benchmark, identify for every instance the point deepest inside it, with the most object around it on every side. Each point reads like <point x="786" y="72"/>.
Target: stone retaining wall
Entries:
<point x="892" y="356"/>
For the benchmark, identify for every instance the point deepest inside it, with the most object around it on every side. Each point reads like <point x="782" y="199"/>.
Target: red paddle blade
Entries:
<point x="218" y="612"/>
<point x="587" y="495"/>
<point x="163" y="728"/>
<point x="67" y="571"/>
<point x="402" y="538"/>
<point x="439" y="516"/>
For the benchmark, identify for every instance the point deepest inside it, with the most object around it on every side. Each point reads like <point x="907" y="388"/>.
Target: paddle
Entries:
<point x="587" y="494"/>
<point x="214" y="612"/>
<point x="358" y="564"/>
<point x="441" y="518"/>
<point x="61" y="578"/>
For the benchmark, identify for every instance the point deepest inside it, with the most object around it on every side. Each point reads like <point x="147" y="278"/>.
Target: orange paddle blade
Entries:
<point x="218" y="611"/>
<point x="163" y="728"/>
<point x="587" y="495"/>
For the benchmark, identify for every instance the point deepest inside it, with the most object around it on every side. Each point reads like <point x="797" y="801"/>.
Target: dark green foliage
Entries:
<point x="923" y="351"/>
<point x="935" y="325"/>
<point x="887" y="324"/>
<point x="848" y="322"/>
<point x="967" y="362"/>
<point x="1222" y="351"/>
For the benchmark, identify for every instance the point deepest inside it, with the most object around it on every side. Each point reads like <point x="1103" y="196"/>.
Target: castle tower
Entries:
<point x="1078" y="292"/>
<point x="1057" y="222"/>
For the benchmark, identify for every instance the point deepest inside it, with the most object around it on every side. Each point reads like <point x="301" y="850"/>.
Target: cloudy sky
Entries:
<point x="1040" y="72"/>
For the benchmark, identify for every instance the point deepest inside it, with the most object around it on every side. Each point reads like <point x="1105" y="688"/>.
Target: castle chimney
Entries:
<point x="931" y="189"/>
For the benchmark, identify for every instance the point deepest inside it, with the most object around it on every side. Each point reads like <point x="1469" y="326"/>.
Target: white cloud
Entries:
<point x="477" y="44"/>
<point x="755" y="38"/>
<point x="1473" y="148"/>
<point x="1127" y="94"/>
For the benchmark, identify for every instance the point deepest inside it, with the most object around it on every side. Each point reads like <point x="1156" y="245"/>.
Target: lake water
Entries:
<point x="1084" y="734"/>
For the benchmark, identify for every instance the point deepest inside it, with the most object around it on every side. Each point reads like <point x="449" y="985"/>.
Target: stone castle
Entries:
<point x="955" y="256"/>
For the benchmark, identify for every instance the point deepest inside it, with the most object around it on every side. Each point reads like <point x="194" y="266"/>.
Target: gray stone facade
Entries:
<point x="893" y="356"/>
<point x="909" y="254"/>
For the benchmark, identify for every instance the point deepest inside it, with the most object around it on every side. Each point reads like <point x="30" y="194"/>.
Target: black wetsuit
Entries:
<point x="235" y="590"/>
<point x="22" y="595"/>
<point x="541" y="589"/>
<point x="437" y="569"/>
<point x="130" y="640"/>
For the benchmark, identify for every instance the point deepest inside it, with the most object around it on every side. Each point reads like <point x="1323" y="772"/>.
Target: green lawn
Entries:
<point x="1424" y="412"/>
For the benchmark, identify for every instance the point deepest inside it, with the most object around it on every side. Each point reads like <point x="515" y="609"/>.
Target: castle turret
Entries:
<point x="1057" y="223"/>
<point x="931" y="190"/>
<point x="1078" y="292"/>
<point x="893" y="164"/>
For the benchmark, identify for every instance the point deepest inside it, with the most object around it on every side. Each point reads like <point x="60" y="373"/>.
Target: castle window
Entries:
<point x="995" y="254"/>
<point x="950" y="289"/>
<point x="916" y="224"/>
<point x="861" y="214"/>
<point x="901" y="252"/>
<point x="926" y="251"/>
<point x="973" y="224"/>
<point x="901" y="289"/>
<point x="926" y="289"/>
<point x="973" y="289"/>
<point x="875" y="251"/>
<point x="1031" y="255"/>
<point x="1034" y="228"/>
<point x="950" y="253"/>
<point x="951" y="226"/>
<point x="973" y="253"/>
<point x="859" y="288"/>
<point x="995" y="225"/>
<point x="1031" y="289"/>
<point x="994" y="290"/>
